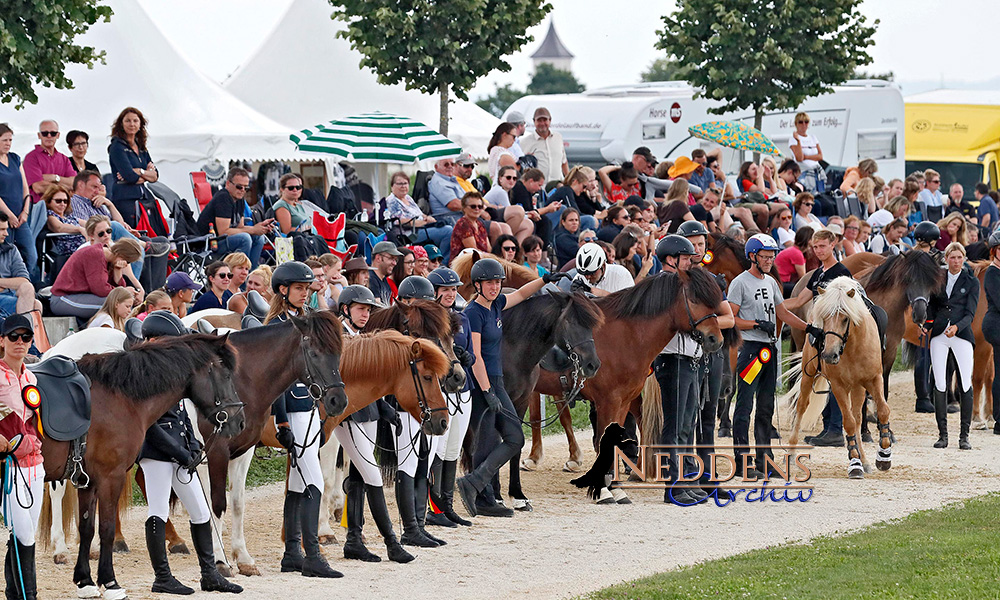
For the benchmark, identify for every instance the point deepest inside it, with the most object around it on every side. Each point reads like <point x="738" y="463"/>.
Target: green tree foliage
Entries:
<point x="766" y="54"/>
<point x="501" y="98"/>
<point x="661" y="69"/>
<point x="862" y="74"/>
<point x="550" y="80"/>
<point x="437" y="45"/>
<point x="36" y="44"/>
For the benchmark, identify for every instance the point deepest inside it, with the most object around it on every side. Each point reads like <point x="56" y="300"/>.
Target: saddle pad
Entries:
<point x="65" y="391"/>
<point x="556" y="360"/>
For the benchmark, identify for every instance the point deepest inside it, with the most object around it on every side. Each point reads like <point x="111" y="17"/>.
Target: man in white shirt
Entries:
<point x="546" y="146"/>
<point x="517" y="120"/>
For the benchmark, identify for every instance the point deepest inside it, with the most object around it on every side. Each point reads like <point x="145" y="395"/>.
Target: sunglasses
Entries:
<point x="224" y="275"/>
<point x="49" y="133"/>
<point x="509" y="177"/>
<point x="476" y="206"/>
<point x="104" y="233"/>
<point x="807" y="203"/>
<point x="293" y="187"/>
<point x="800" y="122"/>
<point x="589" y="239"/>
<point x="24" y="337"/>
<point x="935" y="181"/>
<point x="80" y="144"/>
<point x="509" y="249"/>
<point x="241" y="187"/>
<point x="60" y="201"/>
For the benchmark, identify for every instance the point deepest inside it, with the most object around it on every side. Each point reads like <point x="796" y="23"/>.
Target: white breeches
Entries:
<point x="28" y="491"/>
<point x="408" y="445"/>
<point x="358" y="441"/>
<point x="964" y="356"/>
<point x="305" y="428"/>
<point x="450" y="444"/>
<point x="161" y="477"/>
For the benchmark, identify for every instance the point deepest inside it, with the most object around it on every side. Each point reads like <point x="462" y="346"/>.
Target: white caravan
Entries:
<point x="859" y="119"/>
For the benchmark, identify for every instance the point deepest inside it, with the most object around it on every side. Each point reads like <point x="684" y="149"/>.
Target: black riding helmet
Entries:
<point x="415" y="287"/>
<point x="290" y="272"/>
<point x="487" y="269"/>
<point x="674" y="245"/>
<point x="927" y="232"/>
<point x="994" y="240"/>
<point x="163" y="322"/>
<point x="444" y="277"/>
<point x="356" y="294"/>
<point x="691" y="228"/>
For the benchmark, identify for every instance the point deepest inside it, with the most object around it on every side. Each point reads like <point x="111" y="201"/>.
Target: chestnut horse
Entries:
<point x="517" y="275"/>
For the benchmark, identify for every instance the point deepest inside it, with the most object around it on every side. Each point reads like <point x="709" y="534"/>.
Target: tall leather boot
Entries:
<point x="412" y="535"/>
<point x="314" y="564"/>
<point x="9" y="573"/>
<point x="448" y="471"/>
<point x="420" y="485"/>
<point x="211" y="579"/>
<point x="291" y="560"/>
<point x="354" y="547"/>
<point x="25" y="559"/>
<point x="438" y="518"/>
<point x="380" y="513"/>
<point x="966" y="410"/>
<point x="156" y="545"/>
<point x="941" y="414"/>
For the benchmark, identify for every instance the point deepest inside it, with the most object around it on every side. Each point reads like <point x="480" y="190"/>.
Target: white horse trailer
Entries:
<point x="859" y="119"/>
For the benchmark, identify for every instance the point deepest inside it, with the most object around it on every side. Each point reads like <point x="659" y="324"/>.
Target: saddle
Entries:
<point x="250" y="321"/>
<point x="256" y="306"/>
<point x="65" y="398"/>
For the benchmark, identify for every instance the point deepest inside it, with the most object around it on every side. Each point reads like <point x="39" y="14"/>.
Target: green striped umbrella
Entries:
<point x="376" y="137"/>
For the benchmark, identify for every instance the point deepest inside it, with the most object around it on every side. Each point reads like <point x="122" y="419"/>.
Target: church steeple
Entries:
<point x="553" y="51"/>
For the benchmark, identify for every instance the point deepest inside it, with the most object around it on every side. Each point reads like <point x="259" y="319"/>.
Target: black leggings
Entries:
<point x="499" y="437"/>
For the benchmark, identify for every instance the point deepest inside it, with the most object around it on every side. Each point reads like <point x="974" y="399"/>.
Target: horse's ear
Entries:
<point x="224" y="338"/>
<point x="821" y="290"/>
<point x="850" y="293"/>
<point x="475" y="257"/>
<point x="415" y="349"/>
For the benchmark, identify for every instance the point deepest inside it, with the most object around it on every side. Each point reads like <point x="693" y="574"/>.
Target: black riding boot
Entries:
<point x="448" y="471"/>
<point x="412" y="535"/>
<point x="314" y="565"/>
<point x="966" y="409"/>
<point x="211" y="579"/>
<point x="380" y="512"/>
<point x="420" y="505"/>
<point x="440" y="519"/>
<point x="354" y="547"/>
<point x="9" y="572"/>
<point x="291" y="560"/>
<point x="941" y="414"/>
<point x="156" y="545"/>
<point x="18" y="568"/>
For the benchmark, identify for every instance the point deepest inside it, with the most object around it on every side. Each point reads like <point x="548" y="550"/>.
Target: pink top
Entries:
<point x="786" y="261"/>
<point x="38" y="162"/>
<point x="29" y="453"/>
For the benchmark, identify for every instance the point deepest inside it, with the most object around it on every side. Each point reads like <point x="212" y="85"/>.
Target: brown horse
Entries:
<point x="849" y="359"/>
<point x="423" y="319"/>
<point x="517" y="275"/>
<point x="136" y="387"/>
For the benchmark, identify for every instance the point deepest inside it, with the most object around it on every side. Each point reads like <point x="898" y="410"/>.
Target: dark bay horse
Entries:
<point x="423" y="319"/>
<point x="130" y="390"/>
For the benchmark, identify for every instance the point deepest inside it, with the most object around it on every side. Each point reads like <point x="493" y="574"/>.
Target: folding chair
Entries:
<point x="201" y="188"/>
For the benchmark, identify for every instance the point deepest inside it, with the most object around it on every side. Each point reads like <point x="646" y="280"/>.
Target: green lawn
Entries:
<point x="949" y="553"/>
<point x="580" y="412"/>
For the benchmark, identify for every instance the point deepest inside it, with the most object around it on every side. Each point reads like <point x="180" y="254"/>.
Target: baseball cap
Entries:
<point x="835" y="228"/>
<point x="645" y="153"/>
<point x="16" y="321"/>
<point x="386" y="248"/>
<point x="541" y="111"/>
<point x="179" y="280"/>
<point x="433" y="252"/>
<point x="465" y="159"/>
<point x="515" y="118"/>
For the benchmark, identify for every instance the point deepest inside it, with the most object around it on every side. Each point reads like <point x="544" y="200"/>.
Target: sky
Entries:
<point x="926" y="46"/>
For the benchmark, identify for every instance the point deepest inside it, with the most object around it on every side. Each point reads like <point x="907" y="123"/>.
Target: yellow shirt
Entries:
<point x="468" y="187"/>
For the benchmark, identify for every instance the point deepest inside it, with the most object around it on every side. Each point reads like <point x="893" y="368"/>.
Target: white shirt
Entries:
<point x="102" y="319"/>
<point x="616" y="277"/>
<point x="785" y="236"/>
<point x="951" y="281"/>
<point x="880" y="218"/>
<point x="493" y="164"/>
<point x="497" y="196"/>
<point x="550" y="152"/>
<point x="683" y="344"/>
<point x="809" y="145"/>
<point x="879" y="245"/>
<point x="516" y="149"/>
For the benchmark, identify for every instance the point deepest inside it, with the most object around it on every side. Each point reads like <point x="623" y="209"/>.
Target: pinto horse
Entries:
<point x="848" y="357"/>
<point x="136" y="387"/>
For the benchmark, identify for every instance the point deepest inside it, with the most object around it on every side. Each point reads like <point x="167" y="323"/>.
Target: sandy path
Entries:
<point x="569" y="546"/>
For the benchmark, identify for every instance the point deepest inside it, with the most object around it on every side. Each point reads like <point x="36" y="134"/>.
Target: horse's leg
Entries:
<point x="855" y="469"/>
<point x="805" y="393"/>
<point x="57" y="493"/>
<point x="575" y="462"/>
<point x="88" y="517"/>
<point x="858" y="402"/>
<point x="238" y="469"/>
<point x="883" y="457"/>
<point x="332" y="489"/>
<point x="109" y="490"/>
<point x="534" y="417"/>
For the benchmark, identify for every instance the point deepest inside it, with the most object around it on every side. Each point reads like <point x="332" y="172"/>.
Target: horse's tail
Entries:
<point x="44" y="537"/>
<point x="385" y="446"/>
<point x="788" y="402"/>
<point x="468" y="447"/>
<point x="125" y="500"/>
<point x="652" y="413"/>
<point x="70" y="502"/>
<point x="908" y="354"/>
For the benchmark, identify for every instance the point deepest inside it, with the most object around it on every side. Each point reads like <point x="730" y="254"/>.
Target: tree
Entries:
<point x="862" y="74"/>
<point x="437" y="45"/>
<point x="36" y="45"/>
<point x="550" y="80"/>
<point x="661" y="69"/>
<point x="766" y="54"/>
<point x="501" y="99"/>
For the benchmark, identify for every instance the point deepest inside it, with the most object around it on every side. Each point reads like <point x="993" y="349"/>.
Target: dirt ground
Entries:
<point x="569" y="546"/>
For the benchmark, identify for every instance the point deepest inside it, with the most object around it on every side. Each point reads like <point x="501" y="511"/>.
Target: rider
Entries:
<point x="491" y="406"/>
<point x="298" y="429"/>
<point x="925" y="234"/>
<point x="169" y="461"/>
<point x="756" y="301"/>
<point x="594" y="274"/>
<point x="411" y="474"/>
<point x="22" y="497"/>
<point x="357" y="435"/>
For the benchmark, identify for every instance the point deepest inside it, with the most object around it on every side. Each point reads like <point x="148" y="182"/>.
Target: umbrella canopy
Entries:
<point x="735" y="134"/>
<point x="376" y="137"/>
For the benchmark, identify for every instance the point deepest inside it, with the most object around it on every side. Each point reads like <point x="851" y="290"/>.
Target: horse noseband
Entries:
<point x="426" y="412"/>
<point x="696" y="335"/>
<point x="317" y="390"/>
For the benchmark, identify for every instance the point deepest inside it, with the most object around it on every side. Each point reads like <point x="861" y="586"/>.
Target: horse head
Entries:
<point x="724" y="256"/>
<point x="428" y="319"/>
<point x="837" y="307"/>
<point x="695" y="308"/>
<point x="321" y="347"/>
<point x="213" y="391"/>
<point x="428" y="364"/>
<point x="916" y="273"/>
<point x="579" y="317"/>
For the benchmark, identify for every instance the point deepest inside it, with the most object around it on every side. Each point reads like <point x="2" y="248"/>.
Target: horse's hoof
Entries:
<point x="605" y="497"/>
<point x="979" y="424"/>
<point x="528" y="464"/>
<point x="866" y="437"/>
<point x="179" y="548"/>
<point x="115" y="593"/>
<point x="88" y="591"/>
<point x="572" y="466"/>
<point x="223" y="569"/>
<point x="326" y="540"/>
<point x="883" y="465"/>
<point x="620" y="496"/>
<point x="61" y="558"/>
<point x="725" y="431"/>
<point x="522" y="504"/>
<point x="248" y="570"/>
<point x="119" y="546"/>
<point x="856" y="473"/>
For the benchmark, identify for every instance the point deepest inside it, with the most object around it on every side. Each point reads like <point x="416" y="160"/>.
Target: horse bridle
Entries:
<point x="426" y="412"/>
<point x="317" y="390"/>
<point x="821" y="343"/>
<point x="697" y="336"/>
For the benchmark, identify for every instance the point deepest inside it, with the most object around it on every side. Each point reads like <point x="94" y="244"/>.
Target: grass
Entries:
<point x="580" y="413"/>
<point x="952" y="552"/>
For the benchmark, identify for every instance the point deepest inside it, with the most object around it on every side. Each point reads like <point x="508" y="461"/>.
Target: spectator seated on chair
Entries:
<point x="239" y="265"/>
<point x="295" y="220"/>
<point x="226" y="213"/>
<point x="566" y="237"/>
<point x="99" y="232"/>
<point x="61" y="220"/>
<point x="89" y="199"/>
<point x="116" y="309"/>
<point x="804" y="216"/>
<point x="217" y="295"/>
<point x="17" y="295"/>
<point x="444" y="192"/>
<point x="401" y="207"/>
<point x="180" y="288"/>
<point x="155" y="300"/>
<point x="89" y="276"/>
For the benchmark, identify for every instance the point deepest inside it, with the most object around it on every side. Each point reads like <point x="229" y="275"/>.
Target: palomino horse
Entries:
<point x="517" y="275"/>
<point x="848" y="357"/>
<point x="136" y="387"/>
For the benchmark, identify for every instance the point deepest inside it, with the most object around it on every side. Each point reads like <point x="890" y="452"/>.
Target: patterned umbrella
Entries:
<point x="735" y="134"/>
<point x="376" y="137"/>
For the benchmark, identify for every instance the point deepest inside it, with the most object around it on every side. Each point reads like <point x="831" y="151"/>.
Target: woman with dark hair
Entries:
<point x="565" y="238"/>
<point x="15" y="198"/>
<point x="469" y="231"/>
<point x="616" y="220"/>
<point x="789" y="172"/>
<point x="403" y="268"/>
<point x="626" y="246"/>
<point x="130" y="162"/>
<point x="217" y="295"/>
<point x="531" y="249"/>
<point x="499" y="150"/>
<point x="79" y="143"/>
<point x="620" y="182"/>
<point x="507" y="248"/>
<point x="401" y="206"/>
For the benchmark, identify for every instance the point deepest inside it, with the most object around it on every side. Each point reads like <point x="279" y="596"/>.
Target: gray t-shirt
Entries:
<point x="757" y="299"/>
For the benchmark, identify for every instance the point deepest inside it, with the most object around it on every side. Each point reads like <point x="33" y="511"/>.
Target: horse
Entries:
<point x="517" y="275"/>
<point x="136" y="387"/>
<point x="848" y="357"/>
<point x="638" y="323"/>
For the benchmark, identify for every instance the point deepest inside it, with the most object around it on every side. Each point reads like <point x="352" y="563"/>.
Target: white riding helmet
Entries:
<point x="590" y="258"/>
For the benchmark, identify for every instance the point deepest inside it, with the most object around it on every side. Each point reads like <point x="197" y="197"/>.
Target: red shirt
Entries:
<point x="618" y="193"/>
<point x="786" y="260"/>
<point x="463" y="229"/>
<point x="86" y="272"/>
<point x="38" y="162"/>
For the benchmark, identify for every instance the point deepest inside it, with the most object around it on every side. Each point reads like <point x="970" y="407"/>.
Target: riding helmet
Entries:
<point x="444" y="277"/>
<point x="927" y="232"/>
<point x="692" y="228"/>
<point x="590" y="258"/>
<point x="163" y="322"/>
<point x="356" y="294"/>
<point x="487" y="269"/>
<point x="674" y="245"/>
<point x="415" y="287"/>
<point x="758" y="242"/>
<point x="994" y="240"/>
<point x="290" y="272"/>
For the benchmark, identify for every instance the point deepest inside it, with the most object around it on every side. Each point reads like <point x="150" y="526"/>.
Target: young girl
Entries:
<point x="156" y="300"/>
<point x="116" y="309"/>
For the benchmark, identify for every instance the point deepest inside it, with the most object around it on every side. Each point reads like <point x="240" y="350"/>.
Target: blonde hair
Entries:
<point x="116" y="297"/>
<point x="802" y="115"/>
<point x="678" y="191"/>
<point x="955" y="247"/>
<point x="865" y="190"/>
<point x="153" y="298"/>
<point x="961" y="236"/>
<point x="895" y="203"/>
<point x="236" y="259"/>
<point x="264" y="272"/>
<point x="128" y="249"/>
<point x="94" y="221"/>
<point x="825" y="234"/>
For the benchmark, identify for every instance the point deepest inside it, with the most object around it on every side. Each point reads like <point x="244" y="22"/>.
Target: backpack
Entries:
<point x="185" y="225"/>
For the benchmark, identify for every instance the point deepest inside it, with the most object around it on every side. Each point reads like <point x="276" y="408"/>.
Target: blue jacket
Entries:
<point x="123" y="160"/>
<point x="11" y="263"/>
<point x="171" y="438"/>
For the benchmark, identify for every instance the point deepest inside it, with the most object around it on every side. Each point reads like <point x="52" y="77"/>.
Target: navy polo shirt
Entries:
<point x="488" y="323"/>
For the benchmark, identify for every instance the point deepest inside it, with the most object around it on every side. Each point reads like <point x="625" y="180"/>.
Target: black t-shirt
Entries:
<point x="821" y="277"/>
<point x="520" y="195"/>
<point x="222" y="206"/>
<point x="564" y="194"/>
<point x="701" y="214"/>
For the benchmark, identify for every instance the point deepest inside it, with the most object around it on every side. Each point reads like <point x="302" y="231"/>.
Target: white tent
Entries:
<point x="191" y="118"/>
<point x="329" y="84"/>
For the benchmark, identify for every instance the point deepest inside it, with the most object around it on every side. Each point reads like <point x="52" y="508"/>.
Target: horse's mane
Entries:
<point x="541" y="311"/>
<point x="724" y="242"/>
<point x="835" y="299"/>
<point x="657" y="294"/>
<point x="419" y="317"/>
<point x="388" y="351"/>
<point x="978" y="266"/>
<point x="153" y="367"/>
<point x="464" y="261"/>
<point x="324" y="327"/>
<point x="904" y="270"/>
